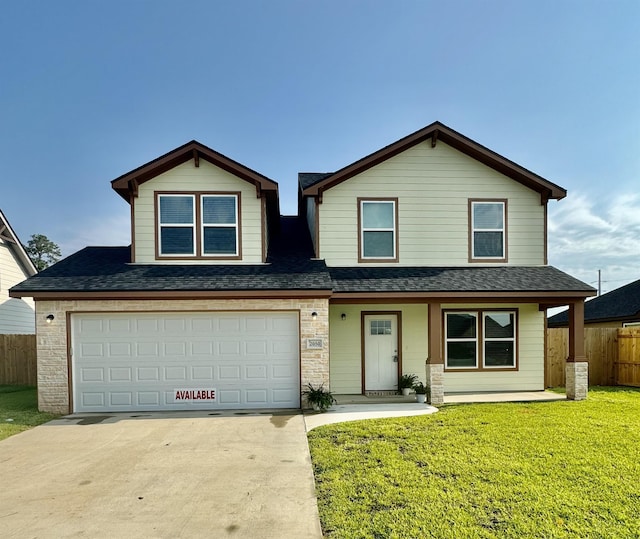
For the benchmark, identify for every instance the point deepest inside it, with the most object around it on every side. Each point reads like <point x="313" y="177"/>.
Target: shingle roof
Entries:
<point x="455" y="279"/>
<point x="621" y="303"/>
<point x="307" y="179"/>
<point x="107" y="269"/>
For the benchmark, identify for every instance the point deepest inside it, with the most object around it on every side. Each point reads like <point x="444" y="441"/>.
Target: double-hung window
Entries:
<point x="219" y="225"/>
<point x="177" y="220"/>
<point x="198" y="225"/>
<point x="480" y="340"/>
<point x="488" y="230"/>
<point x="378" y="234"/>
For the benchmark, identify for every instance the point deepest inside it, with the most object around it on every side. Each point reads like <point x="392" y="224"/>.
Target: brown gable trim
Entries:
<point x="440" y="132"/>
<point x="558" y="298"/>
<point x="186" y="152"/>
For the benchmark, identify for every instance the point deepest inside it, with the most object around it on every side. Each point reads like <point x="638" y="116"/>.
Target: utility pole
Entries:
<point x="599" y="282"/>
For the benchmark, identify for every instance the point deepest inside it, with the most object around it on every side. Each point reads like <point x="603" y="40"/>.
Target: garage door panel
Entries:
<point x="120" y="374"/>
<point x="95" y="374"/>
<point x="138" y="361"/>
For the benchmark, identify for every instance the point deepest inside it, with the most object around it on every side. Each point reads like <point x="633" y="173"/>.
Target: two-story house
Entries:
<point x="428" y="256"/>
<point x="17" y="316"/>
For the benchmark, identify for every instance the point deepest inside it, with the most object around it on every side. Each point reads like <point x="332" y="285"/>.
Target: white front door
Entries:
<point x="381" y="352"/>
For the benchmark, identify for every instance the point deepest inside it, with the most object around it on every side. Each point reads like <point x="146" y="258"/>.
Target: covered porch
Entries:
<point x="473" y="330"/>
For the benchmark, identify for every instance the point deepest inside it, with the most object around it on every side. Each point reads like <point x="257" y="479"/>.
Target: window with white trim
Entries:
<point x="480" y="340"/>
<point x="176" y="225"/>
<point x="488" y="230"/>
<point x="378" y="234"/>
<point x="198" y="225"/>
<point x="219" y="225"/>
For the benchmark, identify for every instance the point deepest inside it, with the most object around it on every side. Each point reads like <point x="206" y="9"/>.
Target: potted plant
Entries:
<point x="421" y="392"/>
<point x="319" y="398"/>
<point x="406" y="382"/>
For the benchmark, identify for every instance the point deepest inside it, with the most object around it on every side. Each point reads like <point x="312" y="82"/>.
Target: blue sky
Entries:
<point x="90" y="90"/>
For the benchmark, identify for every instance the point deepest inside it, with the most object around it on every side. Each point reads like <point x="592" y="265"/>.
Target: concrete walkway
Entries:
<point x="238" y="475"/>
<point x="357" y="407"/>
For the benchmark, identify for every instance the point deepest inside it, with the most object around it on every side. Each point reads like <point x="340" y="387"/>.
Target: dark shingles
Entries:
<point x="623" y="302"/>
<point x="307" y="179"/>
<point x="461" y="279"/>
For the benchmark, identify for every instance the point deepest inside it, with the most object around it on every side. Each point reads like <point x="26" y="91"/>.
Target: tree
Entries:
<point x="42" y="251"/>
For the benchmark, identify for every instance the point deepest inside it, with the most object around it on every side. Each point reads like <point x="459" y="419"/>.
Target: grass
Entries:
<point x="19" y="410"/>
<point x="544" y="470"/>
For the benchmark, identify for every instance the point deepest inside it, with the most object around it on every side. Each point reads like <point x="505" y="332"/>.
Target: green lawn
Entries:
<point x="19" y="410"/>
<point x="543" y="470"/>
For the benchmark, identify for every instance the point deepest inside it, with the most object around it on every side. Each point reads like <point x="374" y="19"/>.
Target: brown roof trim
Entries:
<point x="174" y="294"/>
<point x="184" y="153"/>
<point x="440" y="132"/>
<point x="561" y="298"/>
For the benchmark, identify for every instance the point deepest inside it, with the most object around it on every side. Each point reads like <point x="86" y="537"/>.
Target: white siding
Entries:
<point x="206" y="177"/>
<point x="16" y="315"/>
<point x="433" y="186"/>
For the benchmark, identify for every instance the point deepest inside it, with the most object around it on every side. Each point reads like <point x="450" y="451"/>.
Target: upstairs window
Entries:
<point x="177" y="216"/>
<point x="488" y="231"/>
<point x="198" y="225"/>
<point x="378" y="230"/>
<point x="219" y="225"/>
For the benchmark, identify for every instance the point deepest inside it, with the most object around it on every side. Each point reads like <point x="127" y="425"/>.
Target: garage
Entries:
<point x="125" y="362"/>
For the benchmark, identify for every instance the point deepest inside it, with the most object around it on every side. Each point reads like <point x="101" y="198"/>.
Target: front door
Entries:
<point x="381" y="358"/>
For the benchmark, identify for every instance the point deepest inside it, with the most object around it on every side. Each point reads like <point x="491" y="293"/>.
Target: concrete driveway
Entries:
<point x="160" y="475"/>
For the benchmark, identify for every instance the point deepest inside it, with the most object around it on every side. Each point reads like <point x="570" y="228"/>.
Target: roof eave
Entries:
<point x="438" y="131"/>
<point x="123" y="185"/>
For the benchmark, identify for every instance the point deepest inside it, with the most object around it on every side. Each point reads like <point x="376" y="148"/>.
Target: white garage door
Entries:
<point x="185" y="361"/>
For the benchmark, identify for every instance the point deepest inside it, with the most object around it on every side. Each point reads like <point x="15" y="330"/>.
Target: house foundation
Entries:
<point x="435" y="383"/>
<point x="577" y="380"/>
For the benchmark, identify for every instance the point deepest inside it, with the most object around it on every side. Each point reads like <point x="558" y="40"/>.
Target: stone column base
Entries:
<point x="435" y="383"/>
<point x="577" y="380"/>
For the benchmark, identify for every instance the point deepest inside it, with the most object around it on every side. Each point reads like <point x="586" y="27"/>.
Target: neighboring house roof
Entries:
<point x="313" y="184"/>
<point x="8" y="236"/>
<point x="618" y="305"/>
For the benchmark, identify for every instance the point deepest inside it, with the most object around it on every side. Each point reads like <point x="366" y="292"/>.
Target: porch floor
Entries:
<point x="456" y="398"/>
<point x="356" y="407"/>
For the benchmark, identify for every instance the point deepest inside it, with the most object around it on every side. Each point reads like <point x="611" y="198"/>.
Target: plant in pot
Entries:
<point x="319" y="398"/>
<point x="421" y="392"/>
<point x="406" y="383"/>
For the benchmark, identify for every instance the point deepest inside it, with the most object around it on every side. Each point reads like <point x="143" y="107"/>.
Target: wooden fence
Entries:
<point x="614" y="356"/>
<point x="18" y="359"/>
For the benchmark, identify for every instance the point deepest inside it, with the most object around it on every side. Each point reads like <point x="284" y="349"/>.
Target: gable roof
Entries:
<point x="314" y="186"/>
<point x="127" y="183"/>
<point x="618" y="305"/>
<point x="8" y="236"/>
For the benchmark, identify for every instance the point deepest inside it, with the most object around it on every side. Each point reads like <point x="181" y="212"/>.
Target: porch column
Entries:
<point x="577" y="367"/>
<point x="435" y="361"/>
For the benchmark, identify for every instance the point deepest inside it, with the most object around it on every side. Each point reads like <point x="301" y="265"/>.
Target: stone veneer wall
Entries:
<point x="54" y="370"/>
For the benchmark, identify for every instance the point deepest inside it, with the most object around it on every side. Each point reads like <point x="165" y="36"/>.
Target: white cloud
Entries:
<point x="585" y="237"/>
